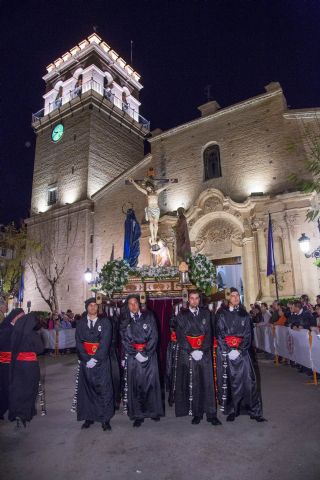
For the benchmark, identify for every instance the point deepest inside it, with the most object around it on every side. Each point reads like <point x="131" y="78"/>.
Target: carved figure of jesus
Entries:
<point x="152" y="211"/>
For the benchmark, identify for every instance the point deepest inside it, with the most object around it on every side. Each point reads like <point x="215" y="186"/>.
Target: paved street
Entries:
<point x="54" y="447"/>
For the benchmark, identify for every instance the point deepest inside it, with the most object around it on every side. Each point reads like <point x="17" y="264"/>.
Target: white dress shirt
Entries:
<point x="194" y="311"/>
<point x="93" y="320"/>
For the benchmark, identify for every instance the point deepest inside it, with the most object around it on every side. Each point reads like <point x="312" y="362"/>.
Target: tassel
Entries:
<point x="42" y="400"/>
<point x="75" y="396"/>
<point x="190" y="385"/>
<point x="125" y="395"/>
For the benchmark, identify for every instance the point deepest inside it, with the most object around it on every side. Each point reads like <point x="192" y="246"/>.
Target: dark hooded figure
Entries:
<point x="95" y="391"/>
<point x="132" y="234"/>
<point x="195" y="394"/>
<point x="171" y="362"/>
<point x="6" y="330"/>
<point x="142" y="391"/>
<point x="114" y="358"/>
<point x="26" y="344"/>
<point x="237" y="383"/>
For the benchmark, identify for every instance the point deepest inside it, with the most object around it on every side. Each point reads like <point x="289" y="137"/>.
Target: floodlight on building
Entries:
<point x="88" y="275"/>
<point x="304" y="243"/>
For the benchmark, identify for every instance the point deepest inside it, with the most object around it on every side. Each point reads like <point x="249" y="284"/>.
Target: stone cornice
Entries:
<point x="79" y="103"/>
<point x="76" y="54"/>
<point x="59" y="212"/>
<point x="304" y="113"/>
<point x="219" y="113"/>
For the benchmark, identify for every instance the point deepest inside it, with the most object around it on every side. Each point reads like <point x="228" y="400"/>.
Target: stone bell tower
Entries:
<point x="89" y="131"/>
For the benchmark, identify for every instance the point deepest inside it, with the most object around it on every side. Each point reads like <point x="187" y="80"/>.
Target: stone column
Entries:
<point x="250" y="271"/>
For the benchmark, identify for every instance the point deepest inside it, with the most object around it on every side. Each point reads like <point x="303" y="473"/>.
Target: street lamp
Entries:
<point x="88" y="275"/>
<point x="304" y="243"/>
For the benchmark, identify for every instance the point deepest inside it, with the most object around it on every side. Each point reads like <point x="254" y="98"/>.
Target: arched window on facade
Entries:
<point x="108" y="86"/>
<point x="278" y="250"/>
<point x="211" y="162"/>
<point x="125" y="103"/>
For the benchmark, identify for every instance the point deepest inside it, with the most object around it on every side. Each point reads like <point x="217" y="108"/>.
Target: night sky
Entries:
<point x="180" y="46"/>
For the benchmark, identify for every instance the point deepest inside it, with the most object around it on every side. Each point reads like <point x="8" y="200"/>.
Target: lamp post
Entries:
<point x="88" y="275"/>
<point x="304" y="244"/>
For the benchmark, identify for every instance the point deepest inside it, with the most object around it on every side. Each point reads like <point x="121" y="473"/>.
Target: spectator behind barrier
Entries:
<point x="301" y="318"/>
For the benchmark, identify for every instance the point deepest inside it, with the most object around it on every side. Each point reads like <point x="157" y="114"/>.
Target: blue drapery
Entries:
<point x="271" y="262"/>
<point x="21" y="289"/>
<point x="132" y="234"/>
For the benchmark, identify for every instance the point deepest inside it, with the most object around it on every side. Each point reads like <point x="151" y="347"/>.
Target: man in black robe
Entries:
<point x="26" y="344"/>
<point x="95" y="401"/>
<point x="195" y="394"/>
<point x="171" y="362"/>
<point x="237" y="383"/>
<point x="114" y="358"/>
<point x="6" y="330"/>
<point x="142" y="391"/>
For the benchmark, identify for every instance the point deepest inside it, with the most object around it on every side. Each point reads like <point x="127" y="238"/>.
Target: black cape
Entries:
<point x="6" y="330"/>
<point x="24" y="375"/>
<point x="237" y="382"/>
<point x="171" y="364"/>
<point x="142" y="396"/>
<point x="202" y="397"/>
<point x="95" y="391"/>
<point x="114" y="359"/>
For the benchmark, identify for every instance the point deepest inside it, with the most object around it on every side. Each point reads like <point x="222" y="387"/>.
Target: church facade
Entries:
<point x="232" y="165"/>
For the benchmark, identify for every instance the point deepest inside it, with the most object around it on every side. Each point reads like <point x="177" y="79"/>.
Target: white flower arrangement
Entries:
<point x="202" y="272"/>
<point x="113" y="277"/>
<point x="155" y="273"/>
<point x="115" y="274"/>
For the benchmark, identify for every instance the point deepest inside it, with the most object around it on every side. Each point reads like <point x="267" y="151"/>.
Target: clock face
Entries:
<point x="57" y="132"/>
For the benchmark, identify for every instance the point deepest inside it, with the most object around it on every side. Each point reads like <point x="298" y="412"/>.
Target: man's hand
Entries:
<point x="141" y="358"/>
<point x="91" y="363"/>
<point x="196" y="355"/>
<point x="233" y="354"/>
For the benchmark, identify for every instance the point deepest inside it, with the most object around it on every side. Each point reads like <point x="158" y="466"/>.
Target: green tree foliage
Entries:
<point x="13" y="244"/>
<point x="311" y="139"/>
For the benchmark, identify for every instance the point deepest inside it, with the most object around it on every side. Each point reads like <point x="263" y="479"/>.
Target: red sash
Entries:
<point x="173" y="337"/>
<point x="27" y="357"/>
<point x="5" y="357"/>
<point x="139" y="346"/>
<point x="215" y="343"/>
<point x="233" y="342"/>
<point x="91" y="348"/>
<point x="195" y="342"/>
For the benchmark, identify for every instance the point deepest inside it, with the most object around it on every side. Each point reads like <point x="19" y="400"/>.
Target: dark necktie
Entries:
<point x="136" y="316"/>
<point x="91" y="324"/>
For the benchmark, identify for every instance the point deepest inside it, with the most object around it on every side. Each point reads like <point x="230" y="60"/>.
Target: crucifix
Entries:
<point x="152" y="187"/>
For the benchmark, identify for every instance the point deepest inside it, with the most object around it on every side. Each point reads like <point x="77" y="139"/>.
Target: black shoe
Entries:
<point x="155" y="419"/>
<point x="231" y="417"/>
<point x="138" y="422"/>
<point x="106" y="426"/>
<point x="20" y="422"/>
<point x="87" y="424"/>
<point x="1" y="417"/>
<point x="214" y="421"/>
<point x="258" y="418"/>
<point x="196" y="420"/>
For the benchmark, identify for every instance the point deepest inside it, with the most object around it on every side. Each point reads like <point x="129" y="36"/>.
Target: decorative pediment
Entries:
<point x="218" y="235"/>
<point x="213" y="200"/>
